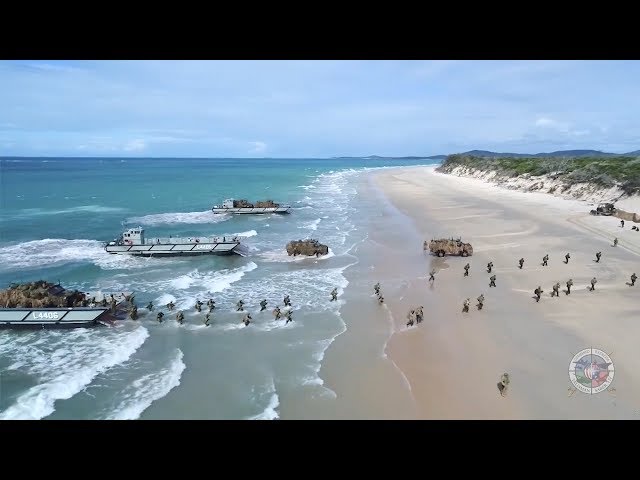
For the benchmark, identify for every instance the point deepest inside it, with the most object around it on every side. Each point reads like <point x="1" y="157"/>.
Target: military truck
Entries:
<point x="606" y="209"/>
<point x="448" y="246"/>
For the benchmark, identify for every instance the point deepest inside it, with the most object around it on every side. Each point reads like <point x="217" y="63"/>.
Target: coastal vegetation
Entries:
<point x="606" y="172"/>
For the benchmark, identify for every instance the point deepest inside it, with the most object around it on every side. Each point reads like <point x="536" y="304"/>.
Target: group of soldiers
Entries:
<point x="376" y="289"/>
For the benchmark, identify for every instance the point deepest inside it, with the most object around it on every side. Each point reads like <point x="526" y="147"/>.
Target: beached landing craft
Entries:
<point x="41" y="305"/>
<point x="244" y="207"/>
<point x="133" y="242"/>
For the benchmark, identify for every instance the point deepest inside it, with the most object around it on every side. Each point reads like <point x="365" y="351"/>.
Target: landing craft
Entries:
<point x="244" y="207"/>
<point x="133" y="242"/>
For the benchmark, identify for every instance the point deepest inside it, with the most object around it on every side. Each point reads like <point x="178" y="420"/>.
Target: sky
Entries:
<point x="316" y="108"/>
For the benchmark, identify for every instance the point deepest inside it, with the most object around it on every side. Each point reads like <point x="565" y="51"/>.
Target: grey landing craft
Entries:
<point x="244" y="207"/>
<point x="133" y="242"/>
<point x="93" y="315"/>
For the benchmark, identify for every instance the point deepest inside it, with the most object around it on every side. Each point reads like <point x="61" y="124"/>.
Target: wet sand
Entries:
<point x="453" y="361"/>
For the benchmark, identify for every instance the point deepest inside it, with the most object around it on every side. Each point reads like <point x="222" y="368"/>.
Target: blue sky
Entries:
<point x="315" y="108"/>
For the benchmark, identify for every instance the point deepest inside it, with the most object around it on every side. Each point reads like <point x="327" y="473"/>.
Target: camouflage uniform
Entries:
<point x="569" y="285"/>
<point x="521" y="262"/>
<point x="545" y="259"/>
<point x="633" y="279"/>
<point x="466" y="270"/>
<point x="555" y="291"/>
<point x="492" y="281"/>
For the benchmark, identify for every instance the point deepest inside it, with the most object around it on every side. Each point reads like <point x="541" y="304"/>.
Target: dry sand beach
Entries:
<point x="453" y="360"/>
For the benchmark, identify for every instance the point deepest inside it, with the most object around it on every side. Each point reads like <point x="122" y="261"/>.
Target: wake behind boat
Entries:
<point x="244" y="207"/>
<point x="133" y="242"/>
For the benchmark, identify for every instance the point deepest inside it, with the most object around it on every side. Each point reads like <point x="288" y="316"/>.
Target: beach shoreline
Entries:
<point x="453" y="360"/>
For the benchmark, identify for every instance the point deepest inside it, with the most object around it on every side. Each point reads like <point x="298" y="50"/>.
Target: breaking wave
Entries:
<point x="181" y="217"/>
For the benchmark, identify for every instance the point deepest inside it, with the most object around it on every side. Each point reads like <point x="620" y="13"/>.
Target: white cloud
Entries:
<point x="135" y="145"/>
<point x="258" y="147"/>
<point x="546" y="122"/>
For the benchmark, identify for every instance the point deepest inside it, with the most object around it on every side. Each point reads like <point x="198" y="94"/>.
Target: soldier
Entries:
<point x="555" y="292"/>
<point x="334" y="294"/>
<point x="419" y="314"/>
<point x="480" y="301"/>
<point x="133" y="313"/>
<point x="211" y="304"/>
<point x="569" y="285"/>
<point x="207" y="318"/>
<point x="410" y="316"/>
<point x="276" y="313"/>
<point x="380" y="299"/>
<point x="545" y="259"/>
<point x="466" y="270"/>
<point x="287" y="302"/>
<point x="465" y="306"/>
<point x="198" y="305"/>
<point x="288" y="315"/>
<point x="114" y="304"/>
<point x="503" y="384"/>
<point x="247" y="319"/>
<point x="492" y="281"/>
<point x="521" y="262"/>
<point x="104" y="302"/>
<point x="376" y="288"/>
<point x="633" y="279"/>
<point x="159" y="317"/>
<point x="593" y="283"/>
<point x="150" y="306"/>
<point x="240" y="306"/>
<point x="180" y="317"/>
<point x="621" y="223"/>
<point x="263" y="305"/>
<point x="598" y="255"/>
<point x="170" y="305"/>
<point x="489" y="267"/>
<point x="432" y="275"/>
<point x="566" y="258"/>
<point x="615" y="242"/>
<point x="538" y="291"/>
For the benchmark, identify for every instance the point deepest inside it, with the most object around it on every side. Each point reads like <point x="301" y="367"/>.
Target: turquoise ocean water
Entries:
<point x="56" y="215"/>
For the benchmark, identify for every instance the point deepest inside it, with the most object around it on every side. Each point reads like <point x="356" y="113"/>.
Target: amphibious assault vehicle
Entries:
<point x="448" y="246"/>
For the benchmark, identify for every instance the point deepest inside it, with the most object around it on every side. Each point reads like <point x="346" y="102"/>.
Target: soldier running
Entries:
<point x="634" y="277"/>
<point x="621" y="223"/>
<point x="480" y="301"/>
<point x="466" y="270"/>
<point x="376" y="288"/>
<point x="538" y="291"/>
<point x="180" y="317"/>
<point x="521" y="262"/>
<point x="246" y="319"/>
<point x="240" y="306"/>
<point x="410" y="316"/>
<point x="465" y="306"/>
<point x="170" y="305"/>
<point x="419" y="314"/>
<point x="492" y="281"/>
<point x="288" y="315"/>
<point x="432" y="275"/>
<point x="104" y="302"/>
<point x="593" y="283"/>
<point x="545" y="259"/>
<point x="263" y="305"/>
<point x="598" y="255"/>
<point x="334" y="294"/>
<point x="276" y="313"/>
<point x="556" y="288"/>
<point x="211" y="304"/>
<point x="615" y="242"/>
<point x="198" y="305"/>
<point x="287" y="302"/>
<point x="489" y="267"/>
<point x="150" y="306"/>
<point x="566" y="258"/>
<point x="569" y="285"/>
<point x="380" y="299"/>
<point x="207" y="318"/>
<point x="159" y="317"/>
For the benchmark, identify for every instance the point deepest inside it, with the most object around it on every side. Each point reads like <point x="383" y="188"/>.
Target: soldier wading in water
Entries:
<point x="569" y="285"/>
<point x="334" y="295"/>
<point x="207" y="318"/>
<point x="170" y="305"/>
<point x="180" y="318"/>
<point x="150" y="306"/>
<point x="480" y="301"/>
<point x="287" y="302"/>
<point x="211" y="304"/>
<point x="288" y="315"/>
<point x="276" y="313"/>
<point x="240" y="306"/>
<point x="263" y="305"/>
<point x="246" y="319"/>
<point x="159" y="317"/>
<point x="198" y="305"/>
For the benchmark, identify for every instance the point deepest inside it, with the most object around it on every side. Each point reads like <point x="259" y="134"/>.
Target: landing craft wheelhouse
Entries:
<point x="133" y="242"/>
<point x="244" y="207"/>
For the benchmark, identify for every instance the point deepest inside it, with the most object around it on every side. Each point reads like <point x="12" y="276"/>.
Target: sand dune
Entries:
<point x="453" y="360"/>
